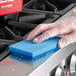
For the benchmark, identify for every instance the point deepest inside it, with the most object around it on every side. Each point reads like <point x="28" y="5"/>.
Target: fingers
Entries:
<point x="46" y="35"/>
<point x="39" y="29"/>
<point x="55" y="31"/>
<point x="50" y="30"/>
<point x="70" y="38"/>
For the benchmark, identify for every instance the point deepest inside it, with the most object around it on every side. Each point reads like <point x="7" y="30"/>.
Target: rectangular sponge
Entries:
<point x="32" y="50"/>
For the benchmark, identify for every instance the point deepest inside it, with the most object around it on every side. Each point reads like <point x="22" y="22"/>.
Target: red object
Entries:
<point x="68" y="74"/>
<point x="10" y="6"/>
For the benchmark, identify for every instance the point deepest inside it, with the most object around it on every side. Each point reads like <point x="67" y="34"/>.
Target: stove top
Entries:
<point x="14" y="27"/>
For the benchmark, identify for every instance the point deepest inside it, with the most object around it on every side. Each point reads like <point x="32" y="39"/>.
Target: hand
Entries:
<point x="65" y="27"/>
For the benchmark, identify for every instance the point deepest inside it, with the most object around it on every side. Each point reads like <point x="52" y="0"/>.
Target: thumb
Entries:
<point x="66" y="40"/>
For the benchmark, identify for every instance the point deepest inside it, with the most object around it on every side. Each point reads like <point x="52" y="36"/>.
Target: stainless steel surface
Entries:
<point x="63" y="64"/>
<point x="13" y="67"/>
<point x="53" y="61"/>
<point x="74" y="74"/>
<point x="60" y="72"/>
<point x="73" y="63"/>
<point x="9" y="67"/>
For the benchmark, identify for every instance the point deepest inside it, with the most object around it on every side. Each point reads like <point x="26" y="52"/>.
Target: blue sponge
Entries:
<point x="31" y="50"/>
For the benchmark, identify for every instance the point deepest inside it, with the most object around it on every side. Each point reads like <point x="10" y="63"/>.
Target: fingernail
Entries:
<point x="28" y="39"/>
<point x="35" y="40"/>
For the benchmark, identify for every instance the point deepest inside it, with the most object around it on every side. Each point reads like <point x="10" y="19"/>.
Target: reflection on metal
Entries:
<point x="63" y="64"/>
<point x="60" y="72"/>
<point x="73" y="63"/>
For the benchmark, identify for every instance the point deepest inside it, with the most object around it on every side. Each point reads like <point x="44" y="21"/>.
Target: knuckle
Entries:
<point x="46" y="35"/>
<point x="52" y="31"/>
<point x="49" y="33"/>
<point x="48" y="25"/>
<point x="55" y="31"/>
